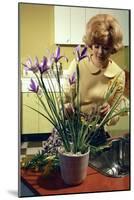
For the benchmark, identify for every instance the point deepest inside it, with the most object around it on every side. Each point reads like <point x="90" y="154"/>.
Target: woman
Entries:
<point x="98" y="72"/>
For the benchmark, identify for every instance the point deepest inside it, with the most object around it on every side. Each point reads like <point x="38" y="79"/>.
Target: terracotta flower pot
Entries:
<point x="73" y="167"/>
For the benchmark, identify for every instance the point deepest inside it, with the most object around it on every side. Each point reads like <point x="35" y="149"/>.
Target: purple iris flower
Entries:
<point x="81" y="54"/>
<point x="44" y="65"/>
<point x="30" y="66"/>
<point x="56" y="57"/>
<point x="33" y="86"/>
<point x="72" y="79"/>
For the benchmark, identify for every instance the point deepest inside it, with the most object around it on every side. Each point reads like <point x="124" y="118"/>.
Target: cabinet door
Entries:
<point x="62" y="24"/>
<point x="44" y="125"/>
<point x="77" y="25"/>
<point x="29" y="117"/>
<point x="90" y="12"/>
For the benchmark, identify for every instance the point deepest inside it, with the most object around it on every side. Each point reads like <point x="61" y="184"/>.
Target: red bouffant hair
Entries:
<point x="104" y="28"/>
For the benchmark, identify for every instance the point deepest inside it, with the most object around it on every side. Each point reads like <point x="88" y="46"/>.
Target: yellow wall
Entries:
<point x="36" y="30"/>
<point x="122" y="58"/>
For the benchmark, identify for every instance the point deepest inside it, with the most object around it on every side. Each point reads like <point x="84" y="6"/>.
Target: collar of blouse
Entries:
<point x="110" y="71"/>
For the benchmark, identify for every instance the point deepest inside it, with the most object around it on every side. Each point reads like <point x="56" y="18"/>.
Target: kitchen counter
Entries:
<point x="53" y="185"/>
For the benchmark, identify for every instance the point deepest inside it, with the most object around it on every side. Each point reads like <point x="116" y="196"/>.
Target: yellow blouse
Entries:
<point x="94" y="84"/>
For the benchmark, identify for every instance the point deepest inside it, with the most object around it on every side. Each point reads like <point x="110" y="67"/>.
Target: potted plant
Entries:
<point x="75" y="134"/>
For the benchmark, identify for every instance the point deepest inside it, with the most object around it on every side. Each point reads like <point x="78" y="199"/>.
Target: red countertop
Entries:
<point x="94" y="182"/>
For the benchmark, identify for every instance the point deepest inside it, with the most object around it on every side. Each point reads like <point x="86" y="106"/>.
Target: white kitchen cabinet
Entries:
<point x="70" y="23"/>
<point x="77" y="25"/>
<point x="90" y="12"/>
<point x="33" y="122"/>
<point x="62" y="24"/>
<point x="29" y="116"/>
<point x="44" y="125"/>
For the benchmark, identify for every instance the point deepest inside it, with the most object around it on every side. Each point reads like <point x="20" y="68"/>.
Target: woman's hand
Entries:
<point x="104" y="109"/>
